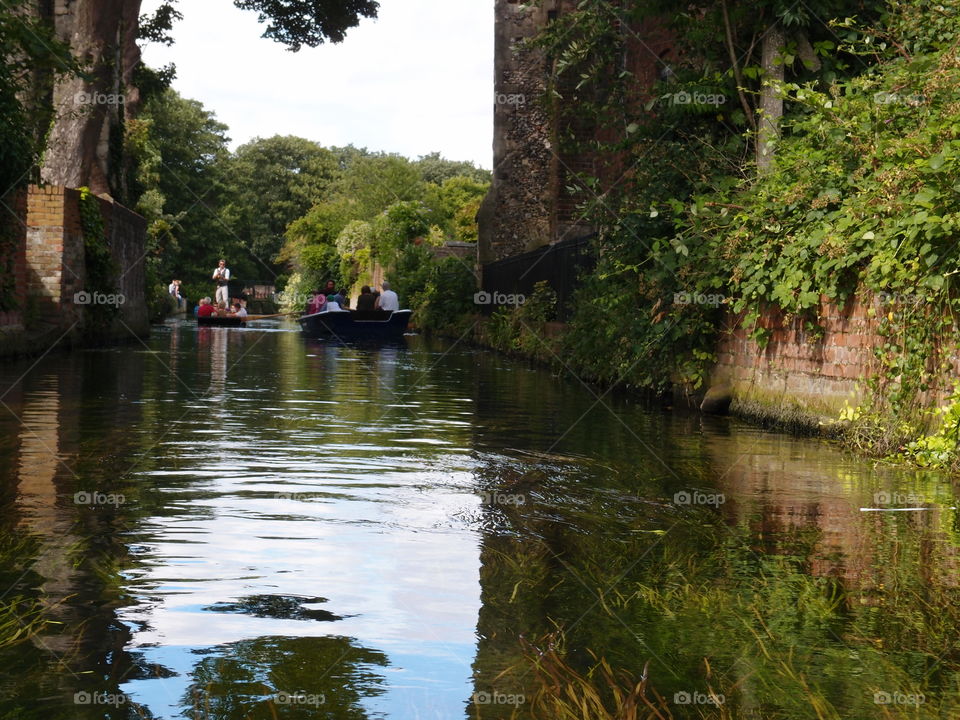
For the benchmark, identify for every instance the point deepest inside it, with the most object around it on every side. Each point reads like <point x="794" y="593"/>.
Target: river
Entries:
<point x="241" y="523"/>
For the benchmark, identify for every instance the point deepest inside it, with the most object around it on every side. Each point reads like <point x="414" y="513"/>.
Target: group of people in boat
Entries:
<point x="207" y="308"/>
<point x="332" y="299"/>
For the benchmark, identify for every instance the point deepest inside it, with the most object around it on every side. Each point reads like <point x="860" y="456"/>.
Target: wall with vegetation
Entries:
<point x="82" y="272"/>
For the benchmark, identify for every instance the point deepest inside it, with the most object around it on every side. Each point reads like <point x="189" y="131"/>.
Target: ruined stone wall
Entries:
<point x="518" y="213"/>
<point x="529" y="204"/>
<point x="126" y="234"/>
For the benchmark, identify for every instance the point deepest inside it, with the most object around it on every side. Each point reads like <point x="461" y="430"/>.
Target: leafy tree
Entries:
<point x="375" y="182"/>
<point x="455" y="204"/>
<point x="273" y="182"/>
<point x="309" y="22"/>
<point x="436" y="169"/>
<point x="180" y="148"/>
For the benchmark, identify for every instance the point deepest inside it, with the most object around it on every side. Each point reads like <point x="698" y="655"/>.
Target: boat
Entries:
<point x="356" y="324"/>
<point x="221" y="321"/>
<point x="233" y="321"/>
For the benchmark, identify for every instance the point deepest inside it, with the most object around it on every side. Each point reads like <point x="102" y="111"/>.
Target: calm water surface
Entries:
<point x="229" y="523"/>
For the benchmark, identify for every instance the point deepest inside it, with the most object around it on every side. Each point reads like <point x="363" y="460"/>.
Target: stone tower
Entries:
<point x="528" y="205"/>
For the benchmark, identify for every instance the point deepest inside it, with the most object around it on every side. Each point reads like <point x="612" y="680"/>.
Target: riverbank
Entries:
<point x="828" y="384"/>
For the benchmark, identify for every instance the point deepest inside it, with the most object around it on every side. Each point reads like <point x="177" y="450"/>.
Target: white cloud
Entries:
<point x="416" y="80"/>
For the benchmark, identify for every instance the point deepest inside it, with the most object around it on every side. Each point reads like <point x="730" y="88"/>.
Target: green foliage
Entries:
<point x="273" y="182"/>
<point x="33" y="59"/>
<point x="309" y="22"/>
<point x="179" y="149"/>
<point x="317" y="264"/>
<point x="521" y="329"/>
<point x="101" y="270"/>
<point x="446" y="303"/>
<point x="436" y="170"/>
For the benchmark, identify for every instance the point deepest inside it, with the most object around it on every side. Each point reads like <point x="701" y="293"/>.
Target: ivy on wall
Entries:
<point x="101" y="270"/>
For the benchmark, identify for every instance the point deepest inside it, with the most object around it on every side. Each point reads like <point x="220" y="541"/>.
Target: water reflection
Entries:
<point x="269" y="526"/>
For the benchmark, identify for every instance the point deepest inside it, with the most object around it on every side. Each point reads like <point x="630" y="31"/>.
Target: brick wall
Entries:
<point x="126" y="235"/>
<point x="815" y="375"/>
<point x="54" y="255"/>
<point x="52" y="269"/>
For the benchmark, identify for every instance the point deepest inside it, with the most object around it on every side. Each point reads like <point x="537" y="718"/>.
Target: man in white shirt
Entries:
<point x="388" y="299"/>
<point x="222" y="276"/>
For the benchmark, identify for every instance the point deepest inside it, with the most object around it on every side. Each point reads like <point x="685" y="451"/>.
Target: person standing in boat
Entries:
<point x="388" y="299"/>
<point x="222" y="277"/>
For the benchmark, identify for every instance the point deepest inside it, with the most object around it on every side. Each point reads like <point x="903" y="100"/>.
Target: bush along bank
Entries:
<point x="860" y="206"/>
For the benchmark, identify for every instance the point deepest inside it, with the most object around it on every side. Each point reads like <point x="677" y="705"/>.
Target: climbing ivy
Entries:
<point x="101" y="270"/>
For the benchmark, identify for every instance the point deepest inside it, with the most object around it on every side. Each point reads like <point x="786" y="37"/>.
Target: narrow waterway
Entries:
<point x="241" y="523"/>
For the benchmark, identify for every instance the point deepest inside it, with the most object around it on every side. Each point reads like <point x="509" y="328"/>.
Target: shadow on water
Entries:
<point x="245" y="523"/>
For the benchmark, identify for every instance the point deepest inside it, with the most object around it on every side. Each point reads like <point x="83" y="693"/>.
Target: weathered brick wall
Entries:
<point x="54" y="255"/>
<point x="816" y="375"/>
<point x="126" y="234"/>
<point x="53" y="269"/>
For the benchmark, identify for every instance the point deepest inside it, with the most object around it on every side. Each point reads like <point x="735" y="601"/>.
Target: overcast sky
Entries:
<point x="416" y="80"/>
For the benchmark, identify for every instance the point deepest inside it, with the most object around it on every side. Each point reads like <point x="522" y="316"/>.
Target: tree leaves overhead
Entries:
<point x="296" y="23"/>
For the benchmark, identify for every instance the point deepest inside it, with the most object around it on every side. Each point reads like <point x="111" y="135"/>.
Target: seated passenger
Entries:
<point x="317" y="301"/>
<point x="366" y="301"/>
<point x="238" y="311"/>
<point x="206" y="308"/>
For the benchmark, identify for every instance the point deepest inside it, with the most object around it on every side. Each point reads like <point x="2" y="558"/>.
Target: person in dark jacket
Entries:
<point x="366" y="301"/>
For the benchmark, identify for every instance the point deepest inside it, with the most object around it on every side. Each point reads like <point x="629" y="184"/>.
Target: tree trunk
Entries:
<point x="771" y="102"/>
<point x="88" y="120"/>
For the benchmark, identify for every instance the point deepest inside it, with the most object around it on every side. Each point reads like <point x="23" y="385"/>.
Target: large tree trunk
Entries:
<point x="771" y="102"/>
<point x="86" y="140"/>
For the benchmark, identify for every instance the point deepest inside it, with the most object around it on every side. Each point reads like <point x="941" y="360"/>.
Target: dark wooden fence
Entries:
<point x="560" y="264"/>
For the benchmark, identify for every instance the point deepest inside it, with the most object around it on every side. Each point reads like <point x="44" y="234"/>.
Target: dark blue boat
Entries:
<point x="356" y="324"/>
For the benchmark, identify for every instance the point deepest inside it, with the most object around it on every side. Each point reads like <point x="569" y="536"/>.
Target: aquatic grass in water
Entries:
<point x="774" y="643"/>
